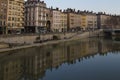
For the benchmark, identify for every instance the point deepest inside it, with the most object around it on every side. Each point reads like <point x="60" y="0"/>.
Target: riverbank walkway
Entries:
<point x="78" y="35"/>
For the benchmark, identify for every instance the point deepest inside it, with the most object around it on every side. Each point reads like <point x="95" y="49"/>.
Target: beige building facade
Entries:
<point x="11" y="16"/>
<point x="91" y="21"/>
<point x="56" y="20"/>
<point x="102" y="18"/>
<point x="64" y="21"/>
<point x="59" y="21"/>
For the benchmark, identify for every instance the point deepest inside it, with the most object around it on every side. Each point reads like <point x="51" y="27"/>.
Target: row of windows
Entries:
<point x="92" y="22"/>
<point x="3" y="10"/>
<point x="38" y="5"/>
<point x="33" y="14"/>
<point x="59" y="25"/>
<point x="3" y="4"/>
<point x="13" y="24"/>
<point x="33" y="9"/>
<point x="13" y="19"/>
<point x="14" y="8"/>
<point x="15" y="13"/>
<point x="33" y="18"/>
<point x="59" y="21"/>
<point x="2" y="16"/>
<point x="63" y="16"/>
<point x="91" y="25"/>
<point x="33" y="24"/>
<point x="2" y="23"/>
<point x="14" y="3"/>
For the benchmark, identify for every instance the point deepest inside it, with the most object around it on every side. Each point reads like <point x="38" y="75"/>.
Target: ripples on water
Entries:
<point x="89" y="59"/>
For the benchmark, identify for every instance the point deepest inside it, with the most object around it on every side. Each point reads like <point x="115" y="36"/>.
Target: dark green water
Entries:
<point x="89" y="59"/>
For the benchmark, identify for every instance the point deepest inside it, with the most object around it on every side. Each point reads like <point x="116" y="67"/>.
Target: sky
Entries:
<point x="108" y="6"/>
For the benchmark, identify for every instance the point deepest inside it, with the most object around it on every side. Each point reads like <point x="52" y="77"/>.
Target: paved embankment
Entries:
<point x="29" y="39"/>
<point x="33" y="45"/>
<point x="73" y="36"/>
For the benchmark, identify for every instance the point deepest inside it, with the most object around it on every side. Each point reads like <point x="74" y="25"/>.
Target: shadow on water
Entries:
<point x="41" y="62"/>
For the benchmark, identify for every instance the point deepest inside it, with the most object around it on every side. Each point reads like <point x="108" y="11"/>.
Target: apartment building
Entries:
<point x="73" y="21"/>
<point x="64" y="21"/>
<point x="11" y="16"/>
<point x="35" y="16"/>
<point x="114" y="21"/>
<point x="3" y="15"/>
<point x="56" y="20"/>
<point x="88" y="20"/>
<point x="83" y="21"/>
<point x="91" y="21"/>
<point x="59" y="21"/>
<point x="101" y="19"/>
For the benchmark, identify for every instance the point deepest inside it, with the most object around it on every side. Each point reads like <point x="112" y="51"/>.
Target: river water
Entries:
<point x="87" y="59"/>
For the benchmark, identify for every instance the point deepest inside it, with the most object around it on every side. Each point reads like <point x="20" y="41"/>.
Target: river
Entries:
<point x="86" y="59"/>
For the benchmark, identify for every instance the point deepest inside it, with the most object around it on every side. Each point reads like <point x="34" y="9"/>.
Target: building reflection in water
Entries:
<point x="31" y="64"/>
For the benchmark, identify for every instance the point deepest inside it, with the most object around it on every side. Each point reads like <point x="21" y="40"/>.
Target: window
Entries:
<point x="9" y="19"/>
<point x="0" y="22"/>
<point x="12" y="18"/>
<point x="4" y="23"/>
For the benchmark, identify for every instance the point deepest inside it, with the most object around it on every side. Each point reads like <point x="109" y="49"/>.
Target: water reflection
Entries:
<point x="31" y="64"/>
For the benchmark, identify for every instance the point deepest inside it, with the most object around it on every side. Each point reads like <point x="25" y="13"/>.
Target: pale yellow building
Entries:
<point x="64" y="21"/>
<point x="83" y="21"/>
<point x="12" y="16"/>
<point x="88" y="20"/>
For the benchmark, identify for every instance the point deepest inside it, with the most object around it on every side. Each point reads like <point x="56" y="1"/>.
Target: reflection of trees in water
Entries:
<point x="32" y="63"/>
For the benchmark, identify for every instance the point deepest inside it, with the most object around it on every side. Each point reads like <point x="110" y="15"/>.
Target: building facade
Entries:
<point x="35" y="16"/>
<point x="49" y="19"/>
<point x="11" y="16"/>
<point x="101" y="19"/>
<point x="64" y="21"/>
<point x="74" y="20"/>
<point x="59" y="21"/>
<point x="88" y="20"/>
<point x="56" y="20"/>
<point x="3" y="15"/>
<point x="83" y="21"/>
<point x="91" y="21"/>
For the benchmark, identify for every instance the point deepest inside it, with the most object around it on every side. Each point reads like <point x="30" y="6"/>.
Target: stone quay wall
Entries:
<point x="31" y="38"/>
